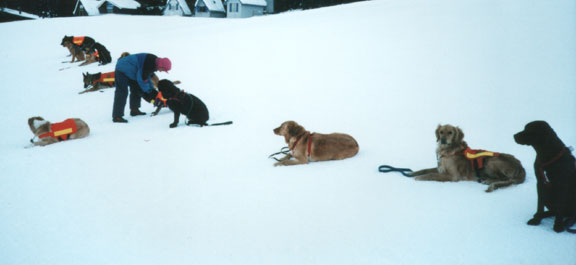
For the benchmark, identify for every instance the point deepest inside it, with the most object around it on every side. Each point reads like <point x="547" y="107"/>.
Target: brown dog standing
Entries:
<point x="307" y="147"/>
<point x="496" y="170"/>
<point x="555" y="171"/>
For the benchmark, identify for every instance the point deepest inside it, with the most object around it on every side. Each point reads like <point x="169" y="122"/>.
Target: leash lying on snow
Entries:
<point x="388" y="169"/>
<point x="285" y="151"/>
<point x="210" y="124"/>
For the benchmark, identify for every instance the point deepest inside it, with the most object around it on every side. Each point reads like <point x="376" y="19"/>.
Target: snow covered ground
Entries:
<point x="386" y="72"/>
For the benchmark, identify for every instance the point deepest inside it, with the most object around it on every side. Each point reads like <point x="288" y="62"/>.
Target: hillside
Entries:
<point x="386" y="72"/>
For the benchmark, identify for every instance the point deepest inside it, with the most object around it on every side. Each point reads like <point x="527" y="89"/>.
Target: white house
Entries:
<point x="209" y="8"/>
<point x="97" y="7"/>
<point x="245" y="8"/>
<point x="177" y="8"/>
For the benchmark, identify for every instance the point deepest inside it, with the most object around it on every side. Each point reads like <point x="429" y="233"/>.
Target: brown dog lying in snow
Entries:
<point x="308" y="147"/>
<point x="456" y="161"/>
<point x="46" y="133"/>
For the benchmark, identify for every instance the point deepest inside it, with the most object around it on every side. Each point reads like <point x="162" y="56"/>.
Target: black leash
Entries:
<point x="208" y="124"/>
<point x="285" y="151"/>
<point x="220" y="123"/>
<point x="388" y="169"/>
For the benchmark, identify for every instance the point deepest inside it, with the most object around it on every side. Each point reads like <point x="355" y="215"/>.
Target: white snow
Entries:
<point x="386" y="72"/>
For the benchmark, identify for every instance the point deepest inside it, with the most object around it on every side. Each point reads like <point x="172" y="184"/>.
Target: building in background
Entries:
<point x="98" y="7"/>
<point x="245" y="8"/>
<point x="209" y="8"/>
<point x="7" y="15"/>
<point x="177" y="8"/>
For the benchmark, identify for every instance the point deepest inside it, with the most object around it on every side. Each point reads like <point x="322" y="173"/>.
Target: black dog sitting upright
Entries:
<point x="555" y="171"/>
<point x="181" y="102"/>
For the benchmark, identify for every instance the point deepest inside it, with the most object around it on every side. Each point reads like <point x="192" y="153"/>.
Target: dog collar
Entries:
<point x="550" y="162"/>
<point x="309" y="145"/>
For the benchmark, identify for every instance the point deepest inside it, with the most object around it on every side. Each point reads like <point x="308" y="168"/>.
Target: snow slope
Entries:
<point x="387" y="72"/>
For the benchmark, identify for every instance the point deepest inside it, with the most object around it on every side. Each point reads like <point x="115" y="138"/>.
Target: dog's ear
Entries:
<point x="459" y="137"/>
<point x="438" y="132"/>
<point x="294" y="129"/>
<point x="31" y="123"/>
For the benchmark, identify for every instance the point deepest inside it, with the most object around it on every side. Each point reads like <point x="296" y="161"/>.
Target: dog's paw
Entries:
<point x="173" y="125"/>
<point x="278" y="164"/>
<point x="559" y="227"/>
<point x="534" y="221"/>
<point x="490" y="188"/>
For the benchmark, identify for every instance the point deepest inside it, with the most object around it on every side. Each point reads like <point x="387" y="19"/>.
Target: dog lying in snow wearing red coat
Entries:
<point x="46" y="133"/>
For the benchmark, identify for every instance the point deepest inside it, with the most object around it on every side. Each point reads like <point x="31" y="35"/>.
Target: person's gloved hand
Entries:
<point x="157" y="102"/>
<point x="150" y="96"/>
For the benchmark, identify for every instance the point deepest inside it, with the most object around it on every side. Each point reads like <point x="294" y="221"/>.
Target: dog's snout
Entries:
<point x="443" y="140"/>
<point x="518" y="138"/>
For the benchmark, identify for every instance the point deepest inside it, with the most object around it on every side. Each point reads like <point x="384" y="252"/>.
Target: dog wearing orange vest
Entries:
<point x="309" y="147"/>
<point x="46" y="133"/>
<point x="76" y="46"/>
<point x="456" y="161"/>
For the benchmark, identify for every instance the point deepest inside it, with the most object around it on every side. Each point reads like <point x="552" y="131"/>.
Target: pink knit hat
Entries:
<point x="163" y="64"/>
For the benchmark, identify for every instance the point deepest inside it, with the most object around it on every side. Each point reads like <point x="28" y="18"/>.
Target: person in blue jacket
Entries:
<point x="136" y="71"/>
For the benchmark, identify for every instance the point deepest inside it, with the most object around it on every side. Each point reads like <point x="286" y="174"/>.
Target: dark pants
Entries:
<point x="121" y="93"/>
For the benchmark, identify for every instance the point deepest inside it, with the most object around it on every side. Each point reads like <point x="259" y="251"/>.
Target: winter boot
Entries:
<point x="136" y="112"/>
<point x="119" y="120"/>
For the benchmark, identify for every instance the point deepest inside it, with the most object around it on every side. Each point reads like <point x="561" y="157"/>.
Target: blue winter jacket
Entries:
<point x="138" y="68"/>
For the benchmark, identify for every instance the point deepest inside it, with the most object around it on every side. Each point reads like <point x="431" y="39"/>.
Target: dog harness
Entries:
<point x="309" y="144"/>
<point x="180" y="97"/>
<point x="107" y="78"/>
<point x="78" y="41"/>
<point x="476" y="157"/>
<point x="61" y="131"/>
<point x="542" y="169"/>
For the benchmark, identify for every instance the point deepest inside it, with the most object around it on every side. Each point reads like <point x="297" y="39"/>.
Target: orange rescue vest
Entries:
<point x="476" y="156"/>
<point x="108" y="78"/>
<point x="61" y="130"/>
<point x="78" y="41"/>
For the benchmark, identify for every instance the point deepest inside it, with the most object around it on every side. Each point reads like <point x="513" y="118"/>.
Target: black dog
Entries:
<point x="181" y="102"/>
<point x="103" y="55"/>
<point x="555" y="170"/>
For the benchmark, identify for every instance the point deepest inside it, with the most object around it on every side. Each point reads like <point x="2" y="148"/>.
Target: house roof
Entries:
<point x="254" y="2"/>
<point x="213" y="5"/>
<point x="91" y="6"/>
<point x="17" y="13"/>
<point x="183" y="8"/>
<point x="125" y="4"/>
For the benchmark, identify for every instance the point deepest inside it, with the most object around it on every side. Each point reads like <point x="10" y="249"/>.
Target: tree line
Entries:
<point x="64" y="8"/>
<point x="286" y="5"/>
